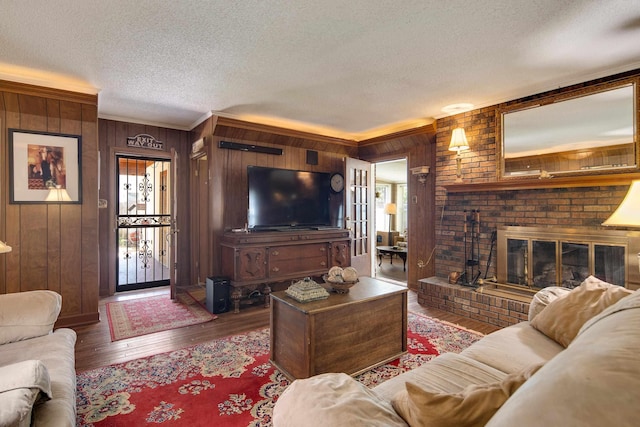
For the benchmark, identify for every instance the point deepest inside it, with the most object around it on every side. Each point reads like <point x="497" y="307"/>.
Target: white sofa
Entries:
<point x="594" y="381"/>
<point x="37" y="364"/>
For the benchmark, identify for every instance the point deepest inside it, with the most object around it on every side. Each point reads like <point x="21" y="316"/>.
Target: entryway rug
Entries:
<point x="226" y="382"/>
<point x="142" y="316"/>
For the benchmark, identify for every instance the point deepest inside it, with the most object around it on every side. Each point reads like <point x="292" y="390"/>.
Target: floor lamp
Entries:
<point x="57" y="194"/>
<point x="390" y="209"/>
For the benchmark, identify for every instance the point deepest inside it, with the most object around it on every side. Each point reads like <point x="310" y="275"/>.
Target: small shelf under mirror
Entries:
<point x="532" y="184"/>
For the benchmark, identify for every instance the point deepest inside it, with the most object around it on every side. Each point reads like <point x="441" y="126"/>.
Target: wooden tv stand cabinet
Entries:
<point x="253" y="260"/>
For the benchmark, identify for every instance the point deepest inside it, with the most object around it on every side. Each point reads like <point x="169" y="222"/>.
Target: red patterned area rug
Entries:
<point x="142" y="316"/>
<point x="226" y="382"/>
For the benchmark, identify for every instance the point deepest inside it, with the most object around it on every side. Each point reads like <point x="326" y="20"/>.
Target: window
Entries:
<point x="383" y="196"/>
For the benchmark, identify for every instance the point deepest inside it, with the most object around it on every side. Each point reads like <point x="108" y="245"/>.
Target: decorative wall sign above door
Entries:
<point x="144" y="140"/>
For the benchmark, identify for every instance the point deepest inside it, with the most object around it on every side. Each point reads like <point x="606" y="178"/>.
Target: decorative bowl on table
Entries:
<point x="340" y="280"/>
<point x="339" y="287"/>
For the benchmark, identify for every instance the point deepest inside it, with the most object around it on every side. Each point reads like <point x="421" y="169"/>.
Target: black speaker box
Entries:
<point x="218" y="294"/>
<point x="312" y="157"/>
<point x="251" y="148"/>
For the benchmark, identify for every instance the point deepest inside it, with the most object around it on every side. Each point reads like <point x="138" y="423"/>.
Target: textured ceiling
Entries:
<point x="353" y="69"/>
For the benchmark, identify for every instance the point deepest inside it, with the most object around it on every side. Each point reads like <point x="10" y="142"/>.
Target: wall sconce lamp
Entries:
<point x="628" y="213"/>
<point x="458" y="143"/>
<point x="422" y="172"/>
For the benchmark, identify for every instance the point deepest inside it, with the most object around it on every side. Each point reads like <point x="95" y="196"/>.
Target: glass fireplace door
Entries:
<point x="538" y="257"/>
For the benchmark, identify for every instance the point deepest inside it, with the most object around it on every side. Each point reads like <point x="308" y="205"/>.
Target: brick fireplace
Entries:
<point x="531" y="258"/>
<point x="546" y="203"/>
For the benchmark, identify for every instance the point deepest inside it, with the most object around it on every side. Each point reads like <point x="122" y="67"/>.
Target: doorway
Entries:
<point x="391" y="220"/>
<point x="144" y="220"/>
<point x="201" y="258"/>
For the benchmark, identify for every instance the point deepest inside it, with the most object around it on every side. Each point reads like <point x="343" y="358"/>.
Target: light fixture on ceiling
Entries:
<point x="458" y="143"/>
<point x="628" y="213"/>
<point x="422" y="172"/>
<point x="458" y="108"/>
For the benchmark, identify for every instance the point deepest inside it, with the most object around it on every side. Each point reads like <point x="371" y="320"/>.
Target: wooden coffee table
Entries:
<point x="393" y="250"/>
<point x="349" y="333"/>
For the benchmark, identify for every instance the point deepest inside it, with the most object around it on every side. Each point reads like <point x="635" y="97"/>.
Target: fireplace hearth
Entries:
<point x="531" y="258"/>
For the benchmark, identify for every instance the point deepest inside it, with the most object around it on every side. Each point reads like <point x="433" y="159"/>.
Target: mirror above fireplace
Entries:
<point x="592" y="130"/>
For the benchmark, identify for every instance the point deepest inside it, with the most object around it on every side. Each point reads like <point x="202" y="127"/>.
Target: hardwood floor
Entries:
<point x="387" y="270"/>
<point x="94" y="347"/>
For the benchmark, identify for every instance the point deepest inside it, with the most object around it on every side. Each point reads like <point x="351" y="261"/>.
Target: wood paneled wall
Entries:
<point x="112" y="141"/>
<point x="227" y="168"/>
<point x="55" y="246"/>
<point x="228" y="200"/>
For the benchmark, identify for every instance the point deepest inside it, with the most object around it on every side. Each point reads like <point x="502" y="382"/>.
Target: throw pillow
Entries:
<point x="333" y="399"/>
<point x="562" y="318"/>
<point x="473" y="406"/>
<point x="544" y="297"/>
<point x="22" y="386"/>
<point x="628" y="303"/>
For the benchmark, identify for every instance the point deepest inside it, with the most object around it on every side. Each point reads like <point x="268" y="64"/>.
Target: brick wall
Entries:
<point x="576" y="207"/>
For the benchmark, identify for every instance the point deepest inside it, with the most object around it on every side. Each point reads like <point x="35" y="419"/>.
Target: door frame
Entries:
<point x="112" y="200"/>
<point x="391" y="158"/>
<point x="200" y="266"/>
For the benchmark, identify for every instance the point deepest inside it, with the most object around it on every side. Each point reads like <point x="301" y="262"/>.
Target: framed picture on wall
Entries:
<point x="44" y="167"/>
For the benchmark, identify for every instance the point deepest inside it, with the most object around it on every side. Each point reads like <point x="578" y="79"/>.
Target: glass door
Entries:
<point x="358" y="201"/>
<point x="143" y="218"/>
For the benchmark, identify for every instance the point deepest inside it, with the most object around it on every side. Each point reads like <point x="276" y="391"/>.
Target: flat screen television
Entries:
<point x="285" y="198"/>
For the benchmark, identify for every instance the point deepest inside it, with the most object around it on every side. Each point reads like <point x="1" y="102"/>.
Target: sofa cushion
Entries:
<point x="333" y="399"/>
<point x="25" y="315"/>
<point x="22" y="385"/>
<point x="594" y="382"/>
<point x="56" y="351"/>
<point x="562" y="319"/>
<point x="447" y="373"/>
<point x="513" y="348"/>
<point x="473" y="406"/>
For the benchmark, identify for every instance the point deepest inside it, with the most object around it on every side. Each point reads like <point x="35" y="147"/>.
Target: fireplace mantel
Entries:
<point x="533" y="184"/>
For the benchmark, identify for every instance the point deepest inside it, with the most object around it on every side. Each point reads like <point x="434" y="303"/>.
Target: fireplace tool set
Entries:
<point x="494" y="237"/>
<point x="472" y="271"/>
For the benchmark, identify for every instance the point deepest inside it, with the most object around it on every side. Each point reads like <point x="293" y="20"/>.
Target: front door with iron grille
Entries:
<point x="144" y="222"/>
